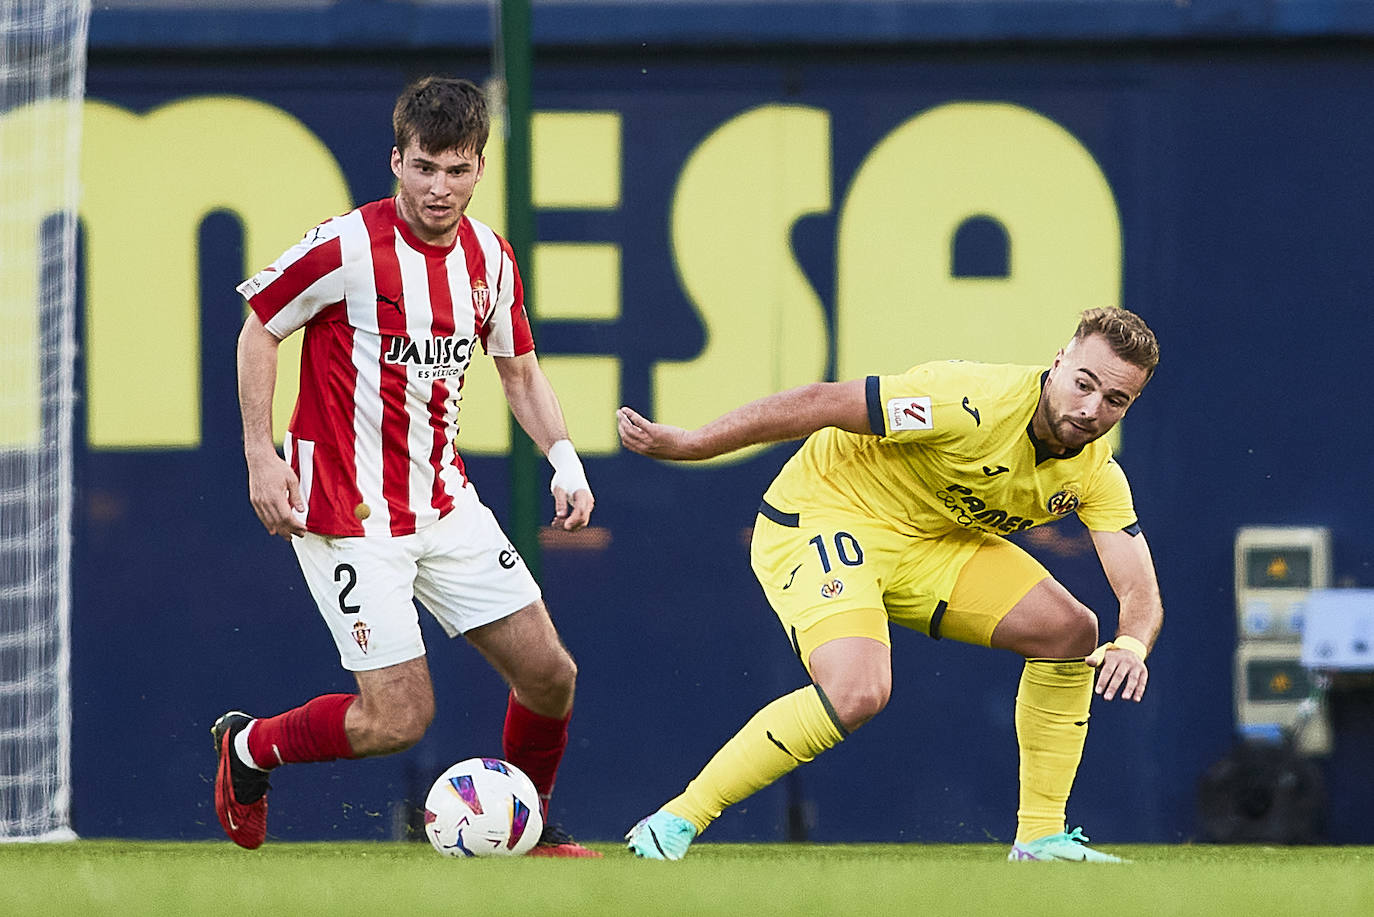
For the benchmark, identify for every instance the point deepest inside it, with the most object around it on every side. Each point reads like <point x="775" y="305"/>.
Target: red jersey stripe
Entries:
<point x="393" y="379"/>
<point x="326" y="402"/>
<point x="297" y="277"/>
<point x="520" y="323"/>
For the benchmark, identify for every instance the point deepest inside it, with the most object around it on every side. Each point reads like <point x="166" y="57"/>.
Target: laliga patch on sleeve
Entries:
<point x="258" y="282"/>
<point x="910" y="414"/>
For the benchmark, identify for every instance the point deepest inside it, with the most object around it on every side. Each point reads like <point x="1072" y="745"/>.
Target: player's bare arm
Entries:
<point x="272" y="486"/>
<point x="1130" y="571"/>
<point x="535" y="405"/>
<point x="792" y="414"/>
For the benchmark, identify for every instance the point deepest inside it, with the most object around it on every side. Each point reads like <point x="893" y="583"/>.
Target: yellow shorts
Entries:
<point x="829" y="575"/>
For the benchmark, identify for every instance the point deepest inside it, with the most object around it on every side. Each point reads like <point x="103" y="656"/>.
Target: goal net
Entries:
<point x="42" y="83"/>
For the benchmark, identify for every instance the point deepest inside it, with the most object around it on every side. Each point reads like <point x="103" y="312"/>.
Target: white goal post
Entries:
<point x="42" y="86"/>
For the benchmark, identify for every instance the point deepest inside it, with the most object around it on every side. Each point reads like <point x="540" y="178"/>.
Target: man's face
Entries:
<point x="434" y="189"/>
<point x="1088" y="390"/>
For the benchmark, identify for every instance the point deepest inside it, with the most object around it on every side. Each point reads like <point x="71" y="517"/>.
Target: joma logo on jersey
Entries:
<point x="973" y="512"/>
<point x="435" y="351"/>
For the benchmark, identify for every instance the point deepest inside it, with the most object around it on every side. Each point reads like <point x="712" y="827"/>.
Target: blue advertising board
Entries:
<point x="713" y="227"/>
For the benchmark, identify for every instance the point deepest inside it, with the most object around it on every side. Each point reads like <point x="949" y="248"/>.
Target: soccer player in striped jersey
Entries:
<point x="393" y="298"/>
<point x="893" y="512"/>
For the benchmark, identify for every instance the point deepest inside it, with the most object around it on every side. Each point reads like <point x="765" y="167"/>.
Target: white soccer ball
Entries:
<point x="483" y="807"/>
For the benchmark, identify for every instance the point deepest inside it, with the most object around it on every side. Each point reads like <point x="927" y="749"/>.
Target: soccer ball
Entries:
<point x="483" y="807"/>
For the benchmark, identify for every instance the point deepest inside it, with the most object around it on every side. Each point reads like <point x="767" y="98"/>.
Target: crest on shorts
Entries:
<point x="361" y="633"/>
<point x="480" y="296"/>
<point x="1062" y="503"/>
<point x="832" y="589"/>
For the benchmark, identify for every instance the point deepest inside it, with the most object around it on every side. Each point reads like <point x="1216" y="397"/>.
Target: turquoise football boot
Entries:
<point x="1071" y="846"/>
<point x="661" y="836"/>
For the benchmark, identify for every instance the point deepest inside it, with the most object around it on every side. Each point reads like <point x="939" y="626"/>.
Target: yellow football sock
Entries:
<point x="791" y="730"/>
<point x="1051" y="725"/>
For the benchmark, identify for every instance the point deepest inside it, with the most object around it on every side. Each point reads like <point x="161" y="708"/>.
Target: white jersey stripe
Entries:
<point x="499" y="342"/>
<point x="419" y="327"/>
<point x="305" y="463"/>
<point x="366" y="357"/>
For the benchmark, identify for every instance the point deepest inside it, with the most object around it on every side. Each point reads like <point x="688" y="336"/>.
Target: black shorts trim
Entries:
<point x="773" y="514"/>
<point x="935" y="618"/>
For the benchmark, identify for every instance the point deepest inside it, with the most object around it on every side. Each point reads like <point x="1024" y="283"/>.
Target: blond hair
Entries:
<point x="1127" y="334"/>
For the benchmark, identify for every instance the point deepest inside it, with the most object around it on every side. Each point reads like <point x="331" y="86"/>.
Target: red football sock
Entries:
<point x="535" y="744"/>
<point x="313" y="731"/>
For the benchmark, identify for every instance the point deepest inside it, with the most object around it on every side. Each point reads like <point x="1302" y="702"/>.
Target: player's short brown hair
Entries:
<point x="1130" y="338"/>
<point x="440" y="114"/>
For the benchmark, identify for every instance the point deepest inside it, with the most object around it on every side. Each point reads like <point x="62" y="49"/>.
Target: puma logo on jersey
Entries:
<point x="394" y="303"/>
<point x="973" y="412"/>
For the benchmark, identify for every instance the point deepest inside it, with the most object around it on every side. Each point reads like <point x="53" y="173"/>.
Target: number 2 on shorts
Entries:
<point x="346" y="572"/>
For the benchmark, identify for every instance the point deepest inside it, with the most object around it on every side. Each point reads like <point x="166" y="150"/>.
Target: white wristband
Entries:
<point x="567" y="468"/>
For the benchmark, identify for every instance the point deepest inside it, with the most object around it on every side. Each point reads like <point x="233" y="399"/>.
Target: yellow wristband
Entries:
<point x="1127" y="642"/>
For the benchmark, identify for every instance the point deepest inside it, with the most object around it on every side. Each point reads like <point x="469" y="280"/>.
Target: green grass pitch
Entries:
<point x="375" y="879"/>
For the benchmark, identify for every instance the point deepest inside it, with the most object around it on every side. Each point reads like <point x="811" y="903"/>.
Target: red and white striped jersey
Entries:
<point x="390" y="326"/>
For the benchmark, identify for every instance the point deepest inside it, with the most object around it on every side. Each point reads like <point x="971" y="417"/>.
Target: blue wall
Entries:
<point x="1246" y="206"/>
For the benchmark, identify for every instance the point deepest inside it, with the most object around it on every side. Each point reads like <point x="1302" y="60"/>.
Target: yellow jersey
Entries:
<point x="952" y="448"/>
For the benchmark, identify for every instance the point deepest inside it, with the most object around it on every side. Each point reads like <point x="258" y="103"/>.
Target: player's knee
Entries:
<point x="387" y="730"/>
<point x="560" y="675"/>
<point x="1078" y="630"/>
<point x="858" y="703"/>
<point x="550" y="686"/>
<point x="405" y="728"/>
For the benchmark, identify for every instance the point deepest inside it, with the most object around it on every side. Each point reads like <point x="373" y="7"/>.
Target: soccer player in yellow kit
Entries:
<point x="894" y="511"/>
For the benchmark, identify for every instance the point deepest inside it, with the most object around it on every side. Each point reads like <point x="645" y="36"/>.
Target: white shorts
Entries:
<point x="463" y="568"/>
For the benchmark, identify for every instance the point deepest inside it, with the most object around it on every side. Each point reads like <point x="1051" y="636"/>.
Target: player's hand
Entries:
<point x="275" y="492"/>
<point x="1118" y="671"/>
<point x="571" y="514"/>
<point x="656" y="440"/>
